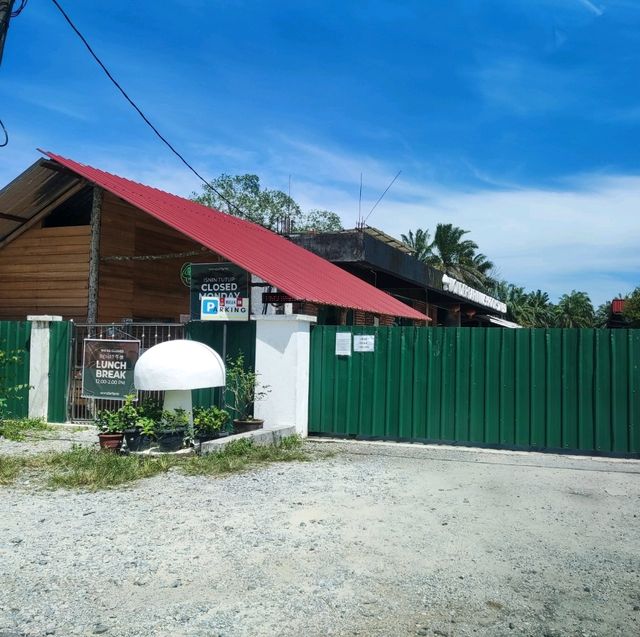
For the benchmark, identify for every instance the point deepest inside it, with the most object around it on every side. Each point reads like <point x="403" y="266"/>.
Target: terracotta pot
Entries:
<point x="113" y="442"/>
<point x="242" y="426"/>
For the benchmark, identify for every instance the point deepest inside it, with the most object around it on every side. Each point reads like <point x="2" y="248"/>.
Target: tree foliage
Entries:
<point x="450" y="252"/>
<point x="632" y="307"/>
<point x="269" y="208"/>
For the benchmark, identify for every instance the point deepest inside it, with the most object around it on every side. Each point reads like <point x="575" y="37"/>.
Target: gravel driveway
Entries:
<point x="376" y="540"/>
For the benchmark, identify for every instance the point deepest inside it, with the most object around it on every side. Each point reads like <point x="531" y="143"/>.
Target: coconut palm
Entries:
<point x="451" y="253"/>
<point x="420" y="242"/>
<point x="574" y="310"/>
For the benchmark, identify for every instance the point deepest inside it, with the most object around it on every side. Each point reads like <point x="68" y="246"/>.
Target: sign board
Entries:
<point x="364" y="343"/>
<point x="276" y="297"/>
<point x="343" y="343"/>
<point x="225" y="282"/>
<point x="107" y="368"/>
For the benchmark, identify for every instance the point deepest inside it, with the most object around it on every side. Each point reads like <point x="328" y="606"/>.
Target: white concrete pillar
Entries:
<point x="39" y="365"/>
<point x="282" y="361"/>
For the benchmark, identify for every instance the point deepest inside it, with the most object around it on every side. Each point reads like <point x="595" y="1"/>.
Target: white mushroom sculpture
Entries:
<point x="177" y="367"/>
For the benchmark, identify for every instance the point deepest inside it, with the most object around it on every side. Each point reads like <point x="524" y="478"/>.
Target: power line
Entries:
<point x="135" y="106"/>
<point x="381" y="196"/>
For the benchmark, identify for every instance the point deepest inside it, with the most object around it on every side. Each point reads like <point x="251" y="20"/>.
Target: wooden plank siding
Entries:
<point x="44" y="271"/>
<point x="142" y="290"/>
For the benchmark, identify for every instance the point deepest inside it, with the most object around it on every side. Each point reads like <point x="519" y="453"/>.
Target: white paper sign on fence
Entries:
<point x="343" y="344"/>
<point x="364" y="343"/>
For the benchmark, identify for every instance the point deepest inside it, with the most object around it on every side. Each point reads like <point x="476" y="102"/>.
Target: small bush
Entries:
<point x="19" y="429"/>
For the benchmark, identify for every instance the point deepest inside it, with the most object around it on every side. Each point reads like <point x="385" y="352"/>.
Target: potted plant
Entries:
<point x="209" y="423"/>
<point x="172" y="430"/>
<point x="245" y="388"/>
<point x="141" y="426"/>
<point x="110" y="430"/>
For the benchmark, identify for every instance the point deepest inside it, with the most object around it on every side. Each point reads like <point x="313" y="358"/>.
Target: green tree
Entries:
<point x="574" y="310"/>
<point x="421" y="244"/>
<point x="261" y="205"/>
<point x="452" y="253"/>
<point x="632" y="307"/>
<point x="529" y="309"/>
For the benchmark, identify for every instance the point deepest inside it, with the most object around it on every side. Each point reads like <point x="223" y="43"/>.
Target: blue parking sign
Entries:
<point x="209" y="307"/>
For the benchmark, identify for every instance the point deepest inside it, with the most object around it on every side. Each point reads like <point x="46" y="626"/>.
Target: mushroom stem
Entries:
<point x="178" y="399"/>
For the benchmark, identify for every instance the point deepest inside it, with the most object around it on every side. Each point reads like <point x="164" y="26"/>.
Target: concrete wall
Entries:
<point x="282" y="361"/>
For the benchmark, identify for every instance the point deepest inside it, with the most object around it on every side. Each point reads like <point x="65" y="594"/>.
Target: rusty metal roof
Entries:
<point x="32" y="192"/>
<point x="299" y="273"/>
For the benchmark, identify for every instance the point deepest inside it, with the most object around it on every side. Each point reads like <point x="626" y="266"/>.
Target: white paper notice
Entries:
<point x="343" y="344"/>
<point x="364" y="343"/>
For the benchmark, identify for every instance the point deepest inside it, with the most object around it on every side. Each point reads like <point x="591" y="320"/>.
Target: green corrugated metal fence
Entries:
<point x="14" y="336"/>
<point x="241" y="338"/>
<point x="556" y="389"/>
<point x="59" y="361"/>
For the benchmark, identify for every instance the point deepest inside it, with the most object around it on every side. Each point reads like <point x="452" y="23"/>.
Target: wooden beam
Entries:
<point x="8" y="217"/>
<point x="159" y="257"/>
<point x="94" y="255"/>
<point x="43" y="212"/>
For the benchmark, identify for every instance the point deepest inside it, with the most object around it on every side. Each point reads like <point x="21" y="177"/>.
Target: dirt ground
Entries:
<point x="383" y="540"/>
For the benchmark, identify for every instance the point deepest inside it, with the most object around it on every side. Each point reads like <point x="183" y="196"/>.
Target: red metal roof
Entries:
<point x="290" y="268"/>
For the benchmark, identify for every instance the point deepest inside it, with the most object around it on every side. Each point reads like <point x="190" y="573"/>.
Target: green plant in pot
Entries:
<point x="209" y="423"/>
<point x="173" y="431"/>
<point x="110" y="430"/>
<point x="140" y="432"/>
<point x="245" y="388"/>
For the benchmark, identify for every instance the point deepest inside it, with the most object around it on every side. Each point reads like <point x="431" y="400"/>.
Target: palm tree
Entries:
<point x="574" y="310"/>
<point x="420" y="243"/>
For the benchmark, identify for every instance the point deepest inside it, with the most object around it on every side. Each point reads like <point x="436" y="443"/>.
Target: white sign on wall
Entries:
<point x="364" y="343"/>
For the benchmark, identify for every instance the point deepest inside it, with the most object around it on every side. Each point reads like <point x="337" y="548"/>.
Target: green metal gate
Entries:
<point x="542" y="389"/>
<point x="229" y="339"/>
<point x="14" y="340"/>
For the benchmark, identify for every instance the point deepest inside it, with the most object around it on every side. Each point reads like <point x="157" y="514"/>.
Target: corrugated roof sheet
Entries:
<point x="290" y="268"/>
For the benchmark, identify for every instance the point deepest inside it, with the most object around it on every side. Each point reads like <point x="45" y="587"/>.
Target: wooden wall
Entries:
<point x="142" y="290"/>
<point x="44" y="271"/>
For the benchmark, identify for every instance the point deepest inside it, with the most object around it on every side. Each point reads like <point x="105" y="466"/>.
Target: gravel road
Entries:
<point x="380" y="540"/>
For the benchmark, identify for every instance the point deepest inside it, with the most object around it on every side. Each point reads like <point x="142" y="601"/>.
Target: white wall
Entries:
<point x="39" y="365"/>
<point x="282" y="361"/>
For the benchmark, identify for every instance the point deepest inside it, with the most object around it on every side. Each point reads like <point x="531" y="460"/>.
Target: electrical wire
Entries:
<point x="6" y="135"/>
<point x="16" y="12"/>
<point x="139" y="111"/>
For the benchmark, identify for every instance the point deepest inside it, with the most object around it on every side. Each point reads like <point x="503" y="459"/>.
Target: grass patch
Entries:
<point x="19" y="429"/>
<point x="10" y="468"/>
<point x="91" y="469"/>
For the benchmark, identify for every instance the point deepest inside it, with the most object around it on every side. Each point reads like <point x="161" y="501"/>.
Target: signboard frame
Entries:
<point x="127" y="386"/>
<point x="227" y="282"/>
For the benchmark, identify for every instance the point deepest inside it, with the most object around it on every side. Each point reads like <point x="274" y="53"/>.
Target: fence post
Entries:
<point x="282" y="362"/>
<point x="39" y="365"/>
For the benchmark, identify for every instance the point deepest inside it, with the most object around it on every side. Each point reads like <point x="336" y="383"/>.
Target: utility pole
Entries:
<point x="6" y="7"/>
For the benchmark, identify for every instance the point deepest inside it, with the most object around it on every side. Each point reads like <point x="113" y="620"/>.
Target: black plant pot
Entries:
<point x="171" y="440"/>
<point x="137" y="441"/>
<point x="243" y="426"/>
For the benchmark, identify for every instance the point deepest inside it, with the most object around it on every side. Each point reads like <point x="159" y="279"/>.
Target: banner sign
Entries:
<point x="107" y="368"/>
<point x="225" y="282"/>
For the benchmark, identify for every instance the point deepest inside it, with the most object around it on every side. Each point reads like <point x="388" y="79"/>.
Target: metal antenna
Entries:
<point x="380" y="198"/>
<point x="360" y="203"/>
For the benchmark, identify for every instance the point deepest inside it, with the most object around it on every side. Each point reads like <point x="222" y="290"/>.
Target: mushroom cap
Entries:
<point x="179" y="364"/>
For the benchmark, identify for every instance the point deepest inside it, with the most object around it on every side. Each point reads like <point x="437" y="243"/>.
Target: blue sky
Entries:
<point x="518" y="120"/>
